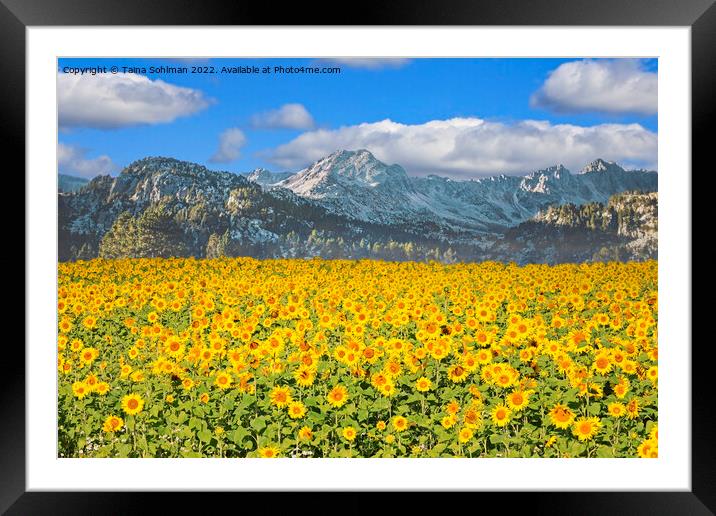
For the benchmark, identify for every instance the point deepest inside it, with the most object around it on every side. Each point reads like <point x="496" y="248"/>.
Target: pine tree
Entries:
<point x="152" y="234"/>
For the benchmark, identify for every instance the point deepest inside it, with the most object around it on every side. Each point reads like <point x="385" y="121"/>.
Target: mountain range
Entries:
<point x="357" y="185"/>
<point x="348" y="204"/>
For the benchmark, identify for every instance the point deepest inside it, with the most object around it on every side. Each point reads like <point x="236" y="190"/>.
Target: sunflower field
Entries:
<point x="237" y="357"/>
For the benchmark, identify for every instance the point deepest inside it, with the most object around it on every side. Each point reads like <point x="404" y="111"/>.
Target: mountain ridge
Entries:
<point x="357" y="185"/>
<point x="348" y="198"/>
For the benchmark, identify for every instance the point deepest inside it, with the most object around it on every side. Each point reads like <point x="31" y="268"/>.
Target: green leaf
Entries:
<point x="312" y="401"/>
<point x="259" y="423"/>
<point x="594" y="409"/>
<point x="438" y="449"/>
<point x="604" y="452"/>
<point x="123" y="449"/>
<point x="204" y="435"/>
<point x="497" y="438"/>
<point x="238" y="435"/>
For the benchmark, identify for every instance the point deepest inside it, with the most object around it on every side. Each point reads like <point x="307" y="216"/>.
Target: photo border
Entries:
<point x="16" y="15"/>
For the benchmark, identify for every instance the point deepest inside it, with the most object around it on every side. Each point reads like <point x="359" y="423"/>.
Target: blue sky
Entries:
<point x="463" y="118"/>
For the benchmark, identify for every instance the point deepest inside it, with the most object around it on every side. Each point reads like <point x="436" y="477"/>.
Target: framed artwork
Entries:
<point x="433" y="251"/>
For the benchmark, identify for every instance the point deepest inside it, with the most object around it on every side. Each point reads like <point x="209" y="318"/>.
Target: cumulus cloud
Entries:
<point x="369" y="63"/>
<point x="73" y="161"/>
<point x="288" y="116"/>
<point x="230" y="143"/>
<point x="106" y="101"/>
<point x="471" y="147"/>
<point x="610" y="86"/>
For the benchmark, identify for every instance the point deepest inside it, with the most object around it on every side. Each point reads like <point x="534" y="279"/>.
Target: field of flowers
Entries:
<point x="315" y="358"/>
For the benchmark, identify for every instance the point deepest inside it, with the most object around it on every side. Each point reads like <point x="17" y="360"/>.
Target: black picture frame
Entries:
<point x="17" y="15"/>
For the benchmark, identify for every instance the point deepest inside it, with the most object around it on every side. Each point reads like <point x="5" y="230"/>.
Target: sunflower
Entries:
<point x="400" y="423"/>
<point x="472" y="418"/>
<point x="648" y="449"/>
<point x="223" y="380"/>
<point x="505" y="379"/>
<point x="484" y="356"/>
<point x="423" y="384"/>
<point x="349" y="433"/>
<point x="90" y="322"/>
<point x="517" y="400"/>
<point x="452" y="408"/>
<point x="561" y="416"/>
<point x="88" y="355"/>
<point x="388" y="389"/>
<point x="91" y="382"/>
<point x="305" y="376"/>
<point x="621" y="388"/>
<point x="585" y="428"/>
<point x="457" y="373"/>
<point x="80" y="389"/>
<point x="124" y="371"/>
<point x="76" y="345"/>
<point x="653" y="373"/>
<point x="113" y="424"/>
<point x="305" y="433"/>
<point x="268" y="452"/>
<point x="464" y="435"/>
<point x="280" y="396"/>
<point x="654" y="433"/>
<point x="448" y="421"/>
<point x="174" y="347"/>
<point x="381" y="425"/>
<point x="577" y="339"/>
<point x="338" y="396"/>
<point x="65" y="325"/>
<point x="501" y="415"/>
<point x="296" y="410"/>
<point x="616" y="409"/>
<point x="187" y="384"/>
<point x="602" y="364"/>
<point x="102" y="388"/>
<point x="132" y="404"/>
<point x="632" y="408"/>
<point x="629" y="366"/>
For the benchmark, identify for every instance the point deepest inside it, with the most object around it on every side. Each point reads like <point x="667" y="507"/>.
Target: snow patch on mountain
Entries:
<point x="357" y="185"/>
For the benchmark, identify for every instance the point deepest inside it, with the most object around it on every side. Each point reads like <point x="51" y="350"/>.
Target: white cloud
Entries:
<point x="610" y="86"/>
<point x="230" y="143"/>
<point x="369" y="63"/>
<point x="472" y="147"/>
<point x="72" y="160"/>
<point x="288" y="116"/>
<point x="110" y="101"/>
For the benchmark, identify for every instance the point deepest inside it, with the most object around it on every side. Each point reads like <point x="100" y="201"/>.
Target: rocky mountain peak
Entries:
<point x="600" y="165"/>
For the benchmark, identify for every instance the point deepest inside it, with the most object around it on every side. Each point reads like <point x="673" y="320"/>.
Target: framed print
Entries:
<point x="430" y="252"/>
